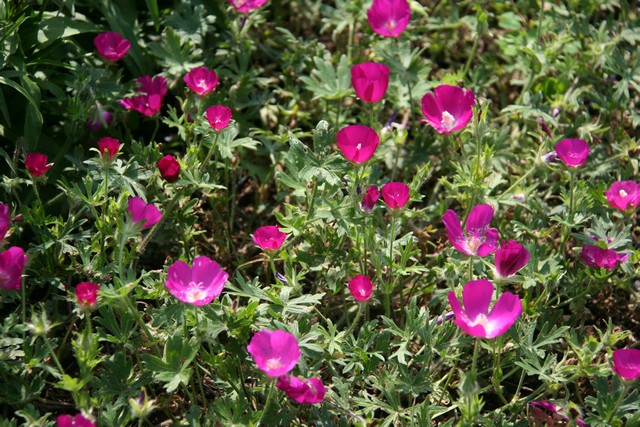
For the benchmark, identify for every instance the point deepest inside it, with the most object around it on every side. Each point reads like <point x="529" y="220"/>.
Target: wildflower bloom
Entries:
<point x="623" y="195"/>
<point x="103" y="121"/>
<point x="479" y="239"/>
<point x="111" y="46"/>
<point x="448" y="108"/>
<point x="595" y="257"/>
<point x="36" y="164"/>
<point x="201" y="80"/>
<point x="244" y="6"/>
<point x="108" y="146"/>
<point x="198" y="285"/>
<point x="78" y="420"/>
<point x="218" y="116"/>
<point x="357" y="142"/>
<point x="12" y="263"/>
<point x="151" y="92"/>
<point x="572" y="152"/>
<point x="302" y="391"/>
<point x="361" y="287"/>
<point x="548" y="413"/>
<point x="389" y="18"/>
<point x="5" y="221"/>
<point x="140" y="211"/>
<point x="370" y="198"/>
<point x="169" y="168"/>
<point x="269" y="237"/>
<point x="87" y="293"/>
<point x="275" y="352"/>
<point x="475" y="319"/>
<point x="370" y="81"/>
<point x="510" y="258"/>
<point x="626" y="363"/>
<point x="395" y="194"/>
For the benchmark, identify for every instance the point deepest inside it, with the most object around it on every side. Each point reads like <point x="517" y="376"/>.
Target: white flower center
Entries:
<point x="448" y="121"/>
<point x="195" y="294"/>
<point x="391" y="25"/>
<point x="274" y="364"/>
<point x="473" y="244"/>
<point x="623" y="193"/>
<point x="481" y="320"/>
<point x="202" y="84"/>
<point x="359" y="146"/>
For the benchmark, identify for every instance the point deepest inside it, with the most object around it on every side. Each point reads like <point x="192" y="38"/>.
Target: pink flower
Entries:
<point x="370" y="81"/>
<point x="108" y="146"/>
<point x="244" y="6"/>
<point x="448" y="108"/>
<point x="623" y="195"/>
<point x="479" y="239"/>
<point x="357" y="142"/>
<point x="198" y="285"/>
<point x="596" y="257"/>
<point x="5" y="221"/>
<point x="510" y="258"/>
<point x="78" y="420"/>
<point x="302" y="391"/>
<point x="547" y="413"/>
<point x="395" y="194"/>
<point x="12" y="263"/>
<point x="87" y="293"/>
<point x="475" y="318"/>
<point x="36" y="164"/>
<point x="218" y="116"/>
<point x="626" y="363"/>
<point x="269" y="237"/>
<point x="370" y="198"/>
<point x="572" y="152"/>
<point x="275" y="352"/>
<point x="141" y="211"/>
<point x="201" y="80"/>
<point x="361" y="287"/>
<point x="95" y="124"/>
<point x="169" y="168"/>
<point x="152" y="92"/>
<point x="389" y="18"/>
<point x="111" y="46"/>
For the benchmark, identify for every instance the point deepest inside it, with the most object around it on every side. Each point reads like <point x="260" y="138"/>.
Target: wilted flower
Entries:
<point x="244" y="6"/>
<point x="623" y="195"/>
<point x="142" y="406"/>
<point x="5" y="221"/>
<point x="448" y="108"/>
<point x="370" y="198"/>
<point x="108" y="146"/>
<point x="550" y="157"/>
<point x="218" y="116"/>
<point x="370" y="81"/>
<point x="198" y="285"/>
<point x="395" y="194"/>
<point x="626" y="363"/>
<point x="479" y="238"/>
<point x="447" y="316"/>
<point x="275" y="352"/>
<point x="87" y="294"/>
<point x="572" y="152"/>
<point x="357" y="142"/>
<point x="595" y="257"/>
<point x="12" y="263"/>
<point x="169" y="168"/>
<point x="269" y="237"/>
<point x="141" y="211"/>
<point x="475" y="318"/>
<point x="78" y="420"/>
<point x="100" y="122"/>
<point x="111" y="46"/>
<point x="201" y="80"/>
<point x="36" y="164"/>
<point x="302" y="391"/>
<point x="389" y="18"/>
<point x="361" y="287"/>
<point x="510" y="258"/>
<point x="152" y="92"/>
<point x="548" y="413"/>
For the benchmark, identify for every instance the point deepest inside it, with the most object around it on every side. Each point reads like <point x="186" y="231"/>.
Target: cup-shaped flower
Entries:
<point x="108" y="147"/>
<point x="147" y="213"/>
<point x="572" y="152"/>
<point x="597" y="257"/>
<point x="5" y="221"/>
<point x="395" y="194"/>
<point x="389" y="18"/>
<point x="218" y="116"/>
<point x="357" y="142"/>
<point x="626" y="363"/>
<point x="623" y="195"/>
<point x="78" y="420"/>
<point x="244" y="6"/>
<point x="201" y="80"/>
<point x="12" y="263"/>
<point x="169" y="168"/>
<point x="87" y="294"/>
<point x="309" y="391"/>
<point x="370" y="81"/>
<point x="479" y="239"/>
<point x="361" y="287"/>
<point x="510" y="258"/>
<point x="370" y="198"/>
<point x="198" y="285"/>
<point x="475" y="318"/>
<point x="448" y="108"/>
<point x="547" y="413"/>
<point x="111" y="46"/>
<point x="275" y="352"/>
<point x="36" y="164"/>
<point x="269" y="237"/>
<point x="102" y="121"/>
<point x="149" y="102"/>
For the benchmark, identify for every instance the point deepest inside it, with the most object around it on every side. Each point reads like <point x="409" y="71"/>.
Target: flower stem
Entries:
<point x="475" y="355"/>
<point x="210" y="153"/>
<point x="571" y="191"/>
<point x="471" y="268"/>
<point x="355" y="320"/>
<point x="617" y="405"/>
<point x="195" y="361"/>
<point x="508" y="190"/>
<point x="268" y="402"/>
<point x="53" y="354"/>
<point x="497" y="370"/>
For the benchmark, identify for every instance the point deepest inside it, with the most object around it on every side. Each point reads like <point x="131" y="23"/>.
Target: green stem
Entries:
<point x="446" y="383"/>
<point x="210" y="153"/>
<point x="389" y="288"/>
<point x="155" y="131"/>
<point x="311" y="203"/>
<point x="571" y="191"/>
<point x="508" y="190"/>
<point x="470" y="268"/>
<point x="23" y="291"/>
<point x="124" y="235"/>
<point x="155" y="227"/>
<point x="267" y="403"/>
<point x="355" y="320"/>
<point x="195" y="361"/>
<point x="476" y="41"/>
<point x="618" y="403"/>
<point x="497" y="352"/>
<point x="53" y="354"/>
<point x="475" y="356"/>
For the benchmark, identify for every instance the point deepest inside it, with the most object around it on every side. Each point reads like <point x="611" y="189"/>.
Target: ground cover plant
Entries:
<point x="287" y="212"/>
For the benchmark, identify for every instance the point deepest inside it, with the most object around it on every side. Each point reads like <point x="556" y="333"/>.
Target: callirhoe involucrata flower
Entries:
<point x="478" y="238"/>
<point x="448" y="108"/>
<point x="389" y="18"/>
<point x="275" y="352"/>
<point x="626" y="363"/>
<point x="269" y="237"/>
<point x="197" y="285"/>
<point x="624" y="195"/>
<point x="309" y="391"/>
<point x="357" y="142"/>
<point x="370" y="81"/>
<point x="510" y="257"/>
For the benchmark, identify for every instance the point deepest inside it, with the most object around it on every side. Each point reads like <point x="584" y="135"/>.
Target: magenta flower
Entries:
<point x="479" y="239"/>
<point x="36" y="164"/>
<point x="269" y="237"/>
<point x="169" y="168"/>
<point x="302" y="391"/>
<point x="87" y="294"/>
<point x="244" y="6"/>
<point x="275" y="352"/>
<point x="475" y="318"/>
<point x="108" y="146"/>
<point x="370" y="198"/>
<point x="626" y="363"/>
<point x="95" y="124"/>
<point x="218" y="116"/>
<point x="510" y="258"/>
<point x="572" y="152"/>
<point x="370" y="81"/>
<point x="5" y="221"/>
<point x="389" y="18"/>
<point x="198" y="285"/>
<point x="111" y="46"/>
<point x="547" y="413"/>
<point x="361" y="287"/>
<point x="597" y="257"/>
<point x="141" y="211"/>
<point x="12" y="263"/>
<point x="357" y="142"/>
<point x="623" y="195"/>
<point x="149" y="102"/>
<point x="395" y="194"/>
<point x="201" y="80"/>
<point x="448" y="108"/>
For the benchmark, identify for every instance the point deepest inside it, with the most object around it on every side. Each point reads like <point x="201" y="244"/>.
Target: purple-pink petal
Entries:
<point x="275" y="352"/>
<point x="490" y="243"/>
<point x="504" y="314"/>
<point x="476" y="297"/>
<point x="572" y="152"/>
<point x="626" y="363"/>
<point x="478" y="220"/>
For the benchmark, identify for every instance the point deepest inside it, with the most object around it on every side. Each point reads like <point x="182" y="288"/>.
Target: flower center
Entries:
<point x="202" y="84"/>
<point x="481" y="320"/>
<point x="391" y="25"/>
<point x="195" y="294"/>
<point x="274" y="363"/>
<point x="473" y="244"/>
<point x="448" y="121"/>
<point x="623" y="193"/>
